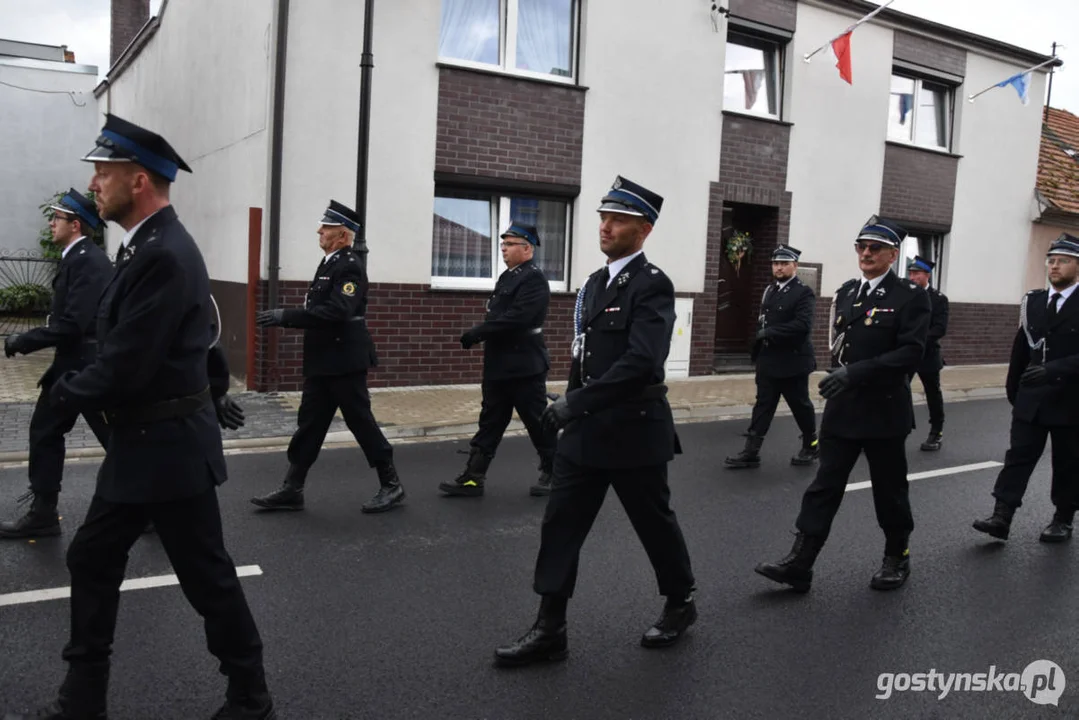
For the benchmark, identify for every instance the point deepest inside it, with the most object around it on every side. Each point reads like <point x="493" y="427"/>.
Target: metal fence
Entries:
<point x="25" y="289"/>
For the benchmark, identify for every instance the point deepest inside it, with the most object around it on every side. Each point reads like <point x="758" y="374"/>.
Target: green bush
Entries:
<point x="48" y="247"/>
<point x="26" y="297"/>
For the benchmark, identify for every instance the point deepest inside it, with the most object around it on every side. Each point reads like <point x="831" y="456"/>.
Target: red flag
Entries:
<point x="841" y="48"/>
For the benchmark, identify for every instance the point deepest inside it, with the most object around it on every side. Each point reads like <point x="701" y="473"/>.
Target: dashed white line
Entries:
<point x="935" y="473"/>
<point x="33" y="596"/>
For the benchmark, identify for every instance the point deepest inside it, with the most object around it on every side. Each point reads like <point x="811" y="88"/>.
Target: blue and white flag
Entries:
<point x="1021" y="83"/>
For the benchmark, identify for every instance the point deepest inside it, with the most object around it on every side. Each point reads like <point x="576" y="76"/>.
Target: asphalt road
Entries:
<point x="396" y="616"/>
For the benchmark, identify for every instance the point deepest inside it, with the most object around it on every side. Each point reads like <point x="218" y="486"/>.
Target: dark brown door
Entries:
<point x="734" y="301"/>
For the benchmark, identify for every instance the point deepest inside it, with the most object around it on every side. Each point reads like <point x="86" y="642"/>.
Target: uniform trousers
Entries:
<point x="934" y="398"/>
<point x="322" y="396"/>
<point x="190" y="532"/>
<point x="48" y="426"/>
<point x="1027" y="446"/>
<point x="887" y="458"/>
<point x="528" y="395"/>
<point x="577" y="494"/>
<point x="795" y="390"/>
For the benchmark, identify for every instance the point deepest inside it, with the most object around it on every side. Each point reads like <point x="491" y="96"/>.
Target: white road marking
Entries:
<point x="935" y="473"/>
<point x="32" y="596"/>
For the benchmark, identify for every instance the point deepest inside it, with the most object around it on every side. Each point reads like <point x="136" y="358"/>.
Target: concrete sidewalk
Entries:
<point x="429" y="412"/>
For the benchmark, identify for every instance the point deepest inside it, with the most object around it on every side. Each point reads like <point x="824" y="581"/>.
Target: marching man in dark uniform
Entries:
<point x="337" y="352"/>
<point x="619" y="432"/>
<point x="880" y="323"/>
<point x="1043" y="388"/>
<point x="919" y="270"/>
<point x="165" y="457"/>
<point x="81" y="275"/>
<point x="784" y="357"/>
<point x="515" y="363"/>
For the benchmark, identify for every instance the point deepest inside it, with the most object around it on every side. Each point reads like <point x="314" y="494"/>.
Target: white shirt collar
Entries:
<point x="786" y="282"/>
<point x="327" y="258"/>
<point x="132" y="231"/>
<point x="1064" y="294"/>
<point x="874" y="283"/>
<point x="64" y="252"/>
<point x="614" y="267"/>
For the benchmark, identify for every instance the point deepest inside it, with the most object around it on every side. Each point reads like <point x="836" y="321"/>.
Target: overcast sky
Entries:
<point x="83" y="25"/>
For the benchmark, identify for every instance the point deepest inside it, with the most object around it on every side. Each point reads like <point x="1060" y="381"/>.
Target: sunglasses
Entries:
<point x="874" y="248"/>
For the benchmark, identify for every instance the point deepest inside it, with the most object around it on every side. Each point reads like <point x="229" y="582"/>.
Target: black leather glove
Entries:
<point x="229" y="414"/>
<point x="268" y="318"/>
<point x="12" y="345"/>
<point x="834" y="383"/>
<point x="556" y="415"/>
<point x="1034" y="375"/>
<point x="470" y="337"/>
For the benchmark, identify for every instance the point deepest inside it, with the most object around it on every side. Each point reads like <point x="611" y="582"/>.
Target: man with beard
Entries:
<point x="784" y="357"/>
<point x="1043" y="388"/>
<point x="165" y="456"/>
<point x="81" y="275"/>
<point x="618" y="432"/>
<point x="880" y="323"/>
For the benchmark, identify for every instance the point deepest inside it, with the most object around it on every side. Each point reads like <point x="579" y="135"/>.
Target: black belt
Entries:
<point x="164" y="410"/>
<point x="654" y="392"/>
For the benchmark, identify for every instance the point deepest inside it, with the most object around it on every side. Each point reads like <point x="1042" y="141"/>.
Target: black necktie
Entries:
<point x="605" y="278"/>
<point x="863" y="294"/>
<point x="121" y="254"/>
<point x="1053" y="306"/>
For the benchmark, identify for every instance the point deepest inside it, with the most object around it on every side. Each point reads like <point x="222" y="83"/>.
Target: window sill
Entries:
<point x="762" y="118"/>
<point x="568" y="83"/>
<point x="923" y="148"/>
<point x="447" y="287"/>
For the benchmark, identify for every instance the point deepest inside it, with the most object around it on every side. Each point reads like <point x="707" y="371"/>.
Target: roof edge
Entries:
<point x="132" y="51"/>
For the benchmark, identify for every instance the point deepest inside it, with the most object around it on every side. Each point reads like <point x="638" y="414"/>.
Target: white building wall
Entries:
<point x="652" y="115"/>
<point x="43" y="137"/>
<point x="205" y="87"/>
<point x="836" y="163"/>
<point x="998" y="138"/>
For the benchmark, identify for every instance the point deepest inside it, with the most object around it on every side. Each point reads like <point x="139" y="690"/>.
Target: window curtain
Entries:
<point x="470" y="30"/>
<point x="549" y="217"/>
<point x="461" y="244"/>
<point x="544" y="35"/>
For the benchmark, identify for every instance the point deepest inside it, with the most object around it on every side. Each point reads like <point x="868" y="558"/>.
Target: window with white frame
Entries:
<point x="924" y="245"/>
<point x="753" y="75"/>
<point x="530" y="37"/>
<point x="465" y="250"/>
<point x="920" y="111"/>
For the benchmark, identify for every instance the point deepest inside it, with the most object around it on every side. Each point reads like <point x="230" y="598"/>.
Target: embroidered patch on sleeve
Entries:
<point x="349" y="289"/>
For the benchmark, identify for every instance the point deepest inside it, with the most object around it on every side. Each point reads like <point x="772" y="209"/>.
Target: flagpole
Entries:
<point x="1018" y="74"/>
<point x="851" y="28"/>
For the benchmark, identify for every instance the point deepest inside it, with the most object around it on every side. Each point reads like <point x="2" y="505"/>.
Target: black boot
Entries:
<point x="999" y="523"/>
<point x="545" y="642"/>
<point x="894" y="571"/>
<point x="750" y="455"/>
<point x="82" y="696"/>
<point x="796" y="569"/>
<point x="542" y="486"/>
<point x="390" y="493"/>
<point x="470" y="482"/>
<point x="933" y="442"/>
<point x="41" y="520"/>
<point x="290" y="496"/>
<point x="810" y="451"/>
<point x="246" y="700"/>
<point x="678" y="614"/>
<point x="1060" y="529"/>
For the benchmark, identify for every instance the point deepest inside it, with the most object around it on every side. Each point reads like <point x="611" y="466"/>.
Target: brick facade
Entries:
<point x="128" y="17"/>
<point x="753" y="163"/>
<point x="509" y="127"/>
<point x="777" y="13"/>
<point x="930" y="53"/>
<point x="919" y="186"/>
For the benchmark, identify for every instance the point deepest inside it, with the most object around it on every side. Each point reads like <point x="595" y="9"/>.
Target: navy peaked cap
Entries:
<point x="785" y="253"/>
<point x="123" y="141"/>
<point x="630" y="198"/>
<point x="525" y="232"/>
<point x="75" y="203"/>
<point x="920" y="263"/>
<point x="881" y="230"/>
<point x="1065" y="245"/>
<point x="338" y="214"/>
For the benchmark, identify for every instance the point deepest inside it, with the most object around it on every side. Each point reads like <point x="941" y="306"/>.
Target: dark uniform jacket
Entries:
<point x="938" y="328"/>
<point x="787" y="320"/>
<point x="512" y="330"/>
<point x="623" y="418"/>
<point x="1056" y="402"/>
<point x="883" y="343"/>
<point x="81" y="275"/>
<point x="335" y="336"/>
<point x="154" y="329"/>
